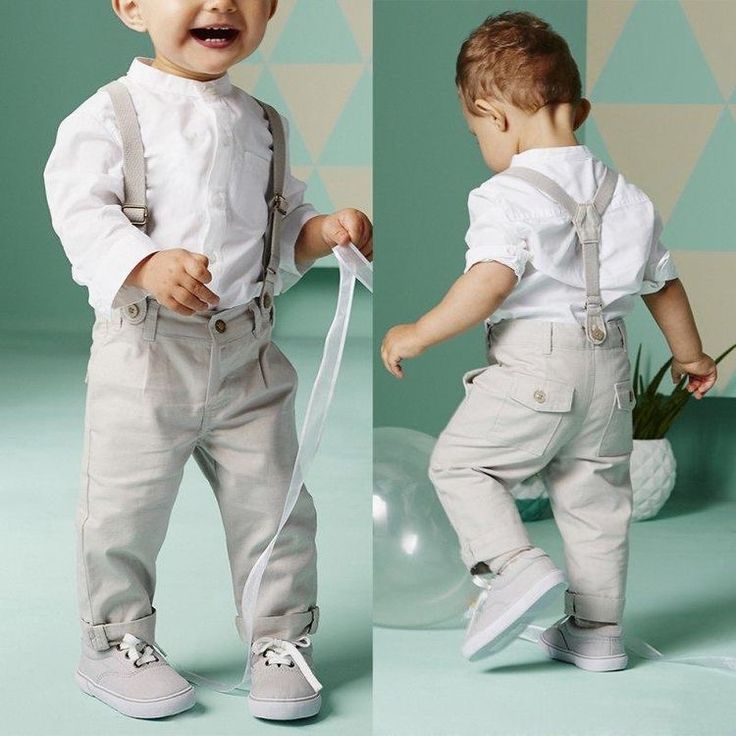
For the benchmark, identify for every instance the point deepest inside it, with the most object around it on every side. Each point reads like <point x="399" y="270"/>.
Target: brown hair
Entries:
<point x="517" y="57"/>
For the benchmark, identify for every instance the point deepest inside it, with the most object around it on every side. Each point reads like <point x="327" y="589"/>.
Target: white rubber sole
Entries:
<point x="158" y="708"/>
<point x="501" y="632"/>
<point x="591" y="664"/>
<point x="285" y="710"/>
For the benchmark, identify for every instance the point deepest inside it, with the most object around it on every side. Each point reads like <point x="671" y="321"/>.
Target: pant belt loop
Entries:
<point x="622" y="332"/>
<point x="255" y="310"/>
<point x="149" y="326"/>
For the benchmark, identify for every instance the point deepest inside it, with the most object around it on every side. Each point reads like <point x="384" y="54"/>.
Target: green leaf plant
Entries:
<point x="655" y="412"/>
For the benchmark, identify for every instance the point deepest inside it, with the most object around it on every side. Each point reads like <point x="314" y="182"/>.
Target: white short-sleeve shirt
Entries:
<point x="514" y="223"/>
<point x="207" y="151"/>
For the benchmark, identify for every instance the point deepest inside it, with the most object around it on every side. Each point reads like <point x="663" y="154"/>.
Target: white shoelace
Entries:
<point x="138" y="651"/>
<point x="485" y="587"/>
<point x="282" y="651"/>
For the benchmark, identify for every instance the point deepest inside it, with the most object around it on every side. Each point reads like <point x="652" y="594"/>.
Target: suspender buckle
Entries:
<point x="280" y="203"/>
<point x="139" y="216"/>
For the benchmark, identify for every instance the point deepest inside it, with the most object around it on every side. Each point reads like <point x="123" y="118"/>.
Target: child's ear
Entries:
<point x="487" y="109"/>
<point x="581" y="113"/>
<point x="129" y="12"/>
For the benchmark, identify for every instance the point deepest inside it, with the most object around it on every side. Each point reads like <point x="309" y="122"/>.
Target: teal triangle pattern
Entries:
<point x="657" y="59"/>
<point x="317" y="194"/>
<point x="316" y="32"/>
<point x="593" y="139"/>
<point x="255" y="58"/>
<point x="349" y="143"/>
<point x="267" y="90"/>
<point x="700" y="221"/>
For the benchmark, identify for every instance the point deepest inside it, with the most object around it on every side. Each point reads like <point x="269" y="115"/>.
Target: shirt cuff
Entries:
<point x="289" y="270"/>
<point x="108" y="292"/>
<point x="665" y="270"/>
<point x="515" y="257"/>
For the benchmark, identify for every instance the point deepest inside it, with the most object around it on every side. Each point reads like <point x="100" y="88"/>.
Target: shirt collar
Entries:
<point x="554" y="152"/>
<point x="142" y="72"/>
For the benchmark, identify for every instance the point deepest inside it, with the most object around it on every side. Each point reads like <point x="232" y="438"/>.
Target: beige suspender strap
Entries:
<point x="134" y="172"/>
<point x="586" y="218"/>
<point x="277" y="206"/>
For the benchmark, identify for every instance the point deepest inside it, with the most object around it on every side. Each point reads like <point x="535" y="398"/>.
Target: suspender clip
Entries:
<point x="139" y="216"/>
<point x="280" y="203"/>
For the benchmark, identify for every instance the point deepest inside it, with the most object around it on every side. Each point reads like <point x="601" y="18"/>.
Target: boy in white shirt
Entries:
<point x="557" y="395"/>
<point x="182" y="361"/>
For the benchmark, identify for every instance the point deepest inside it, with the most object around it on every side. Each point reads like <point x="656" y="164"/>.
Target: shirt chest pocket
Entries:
<point x="531" y="413"/>
<point x="249" y="191"/>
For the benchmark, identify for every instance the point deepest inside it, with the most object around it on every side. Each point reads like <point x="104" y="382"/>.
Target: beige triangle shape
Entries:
<point x="276" y="26"/>
<point x="359" y="15"/>
<point x="349" y="186"/>
<point x="709" y="20"/>
<point x="245" y="76"/>
<point x="711" y="294"/>
<point x="316" y="95"/>
<point x="656" y="146"/>
<point x="606" y="19"/>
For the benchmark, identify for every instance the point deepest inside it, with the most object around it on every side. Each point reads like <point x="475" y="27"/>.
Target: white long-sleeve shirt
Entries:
<point x="207" y="151"/>
<point x="514" y="223"/>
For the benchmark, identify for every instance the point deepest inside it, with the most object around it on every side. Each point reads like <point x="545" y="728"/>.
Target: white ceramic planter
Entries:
<point x="653" y="471"/>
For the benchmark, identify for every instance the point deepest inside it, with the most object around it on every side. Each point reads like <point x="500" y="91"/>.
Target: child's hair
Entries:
<point x="517" y="57"/>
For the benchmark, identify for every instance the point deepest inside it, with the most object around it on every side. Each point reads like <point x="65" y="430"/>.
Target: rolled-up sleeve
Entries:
<point x="83" y="178"/>
<point x="297" y="213"/>
<point x="660" y="267"/>
<point x="492" y="235"/>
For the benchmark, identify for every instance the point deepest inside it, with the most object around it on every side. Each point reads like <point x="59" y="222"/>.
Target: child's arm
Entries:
<point x="470" y="300"/>
<point x="671" y="311"/>
<point x="306" y="235"/>
<point x="108" y="254"/>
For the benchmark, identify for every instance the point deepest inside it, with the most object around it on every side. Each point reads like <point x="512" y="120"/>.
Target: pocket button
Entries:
<point x="539" y="396"/>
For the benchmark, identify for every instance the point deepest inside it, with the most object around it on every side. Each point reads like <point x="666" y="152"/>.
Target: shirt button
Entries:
<point x="539" y="396"/>
<point x="220" y="325"/>
<point x="132" y="310"/>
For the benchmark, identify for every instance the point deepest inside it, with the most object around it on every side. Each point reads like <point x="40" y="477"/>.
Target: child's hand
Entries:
<point x="177" y="279"/>
<point x="349" y="226"/>
<point x="702" y="374"/>
<point x="401" y="341"/>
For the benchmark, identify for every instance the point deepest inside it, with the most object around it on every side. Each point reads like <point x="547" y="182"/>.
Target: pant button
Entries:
<point x="220" y="325"/>
<point x="540" y="397"/>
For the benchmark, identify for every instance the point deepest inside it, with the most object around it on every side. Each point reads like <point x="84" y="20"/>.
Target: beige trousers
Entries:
<point x="162" y="387"/>
<point x="549" y="401"/>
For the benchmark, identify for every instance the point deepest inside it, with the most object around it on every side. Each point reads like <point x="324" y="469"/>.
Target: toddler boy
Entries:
<point x="553" y="279"/>
<point x="182" y="362"/>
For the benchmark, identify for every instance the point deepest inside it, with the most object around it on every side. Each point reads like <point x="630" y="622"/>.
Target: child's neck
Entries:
<point x="165" y="65"/>
<point x="549" y="127"/>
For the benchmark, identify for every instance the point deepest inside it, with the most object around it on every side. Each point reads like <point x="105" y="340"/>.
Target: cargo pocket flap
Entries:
<point x="542" y="394"/>
<point x="625" y="398"/>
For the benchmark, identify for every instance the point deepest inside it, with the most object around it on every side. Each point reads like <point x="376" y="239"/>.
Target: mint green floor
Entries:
<point x="681" y="599"/>
<point x="42" y="407"/>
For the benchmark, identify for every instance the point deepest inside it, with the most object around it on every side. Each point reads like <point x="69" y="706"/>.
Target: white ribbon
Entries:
<point x="647" y="651"/>
<point x="353" y="266"/>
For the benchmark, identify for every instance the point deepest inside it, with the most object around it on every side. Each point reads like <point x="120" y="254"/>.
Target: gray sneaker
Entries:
<point x="134" y="678"/>
<point x="510" y="601"/>
<point x="283" y="686"/>
<point x="598" y="649"/>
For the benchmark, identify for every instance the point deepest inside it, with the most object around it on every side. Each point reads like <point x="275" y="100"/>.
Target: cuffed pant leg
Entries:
<point x="248" y="460"/>
<point x="101" y="636"/>
<point x="592" y="505"/>
<point x="131" y="470"/>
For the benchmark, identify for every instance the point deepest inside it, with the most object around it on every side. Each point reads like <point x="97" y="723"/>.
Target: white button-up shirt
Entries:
<point x="207" y="153"/>
<point x="514" y="223"/>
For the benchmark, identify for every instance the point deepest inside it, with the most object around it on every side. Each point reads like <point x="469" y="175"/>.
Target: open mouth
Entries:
<point x="214" y="36"/>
